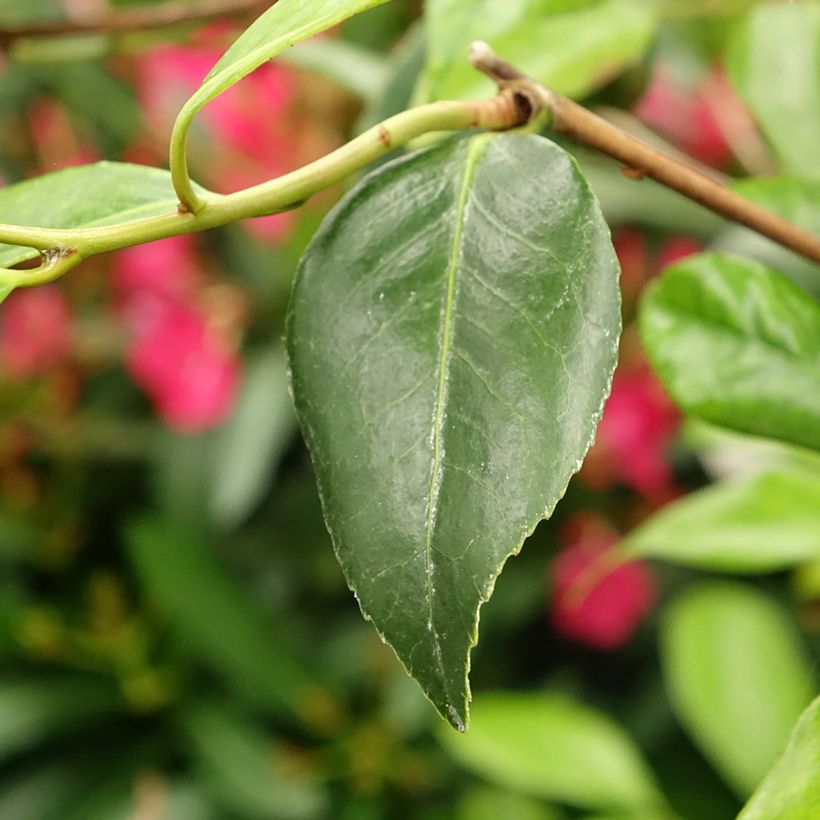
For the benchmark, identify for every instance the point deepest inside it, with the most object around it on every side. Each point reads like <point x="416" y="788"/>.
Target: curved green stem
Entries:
<point x="70" y="246"/>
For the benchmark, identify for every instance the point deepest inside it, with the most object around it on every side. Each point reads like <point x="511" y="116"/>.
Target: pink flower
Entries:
<point x="186" y="367"/>
<point x="689" y="116"/>
<point x="35" y="331"/>
<point x="637" y="427"/>
<point x="597" y="600"/>
<point x="675" y="248"/>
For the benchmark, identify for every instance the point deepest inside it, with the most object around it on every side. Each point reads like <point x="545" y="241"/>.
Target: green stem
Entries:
<point x="70" y="246"/>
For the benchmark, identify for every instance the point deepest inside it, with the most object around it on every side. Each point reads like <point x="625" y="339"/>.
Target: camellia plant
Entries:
<point x="452" y="335"/>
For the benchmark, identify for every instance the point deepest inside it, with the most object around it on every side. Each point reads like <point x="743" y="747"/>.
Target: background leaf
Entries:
<point x="737" y="675"/>
<point x="574" y="46"/>
<point x="549" y="746"/>
<point x="756" y="524"/>
<point x="760" y="335"/>
<point x="774" y="63"/>
<point x="791" y="790"/>
<point x="214" y="615"/>
<point x="105" y="193"/>
<point x="441" y="357"/>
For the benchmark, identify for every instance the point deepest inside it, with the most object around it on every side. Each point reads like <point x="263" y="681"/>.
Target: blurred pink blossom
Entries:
<point x="675" y="248"/>
<point x="35" y="331"/>
<point x="691" y="117"/>
<point x="177" y="354"/>
<point x="596" y="600"/>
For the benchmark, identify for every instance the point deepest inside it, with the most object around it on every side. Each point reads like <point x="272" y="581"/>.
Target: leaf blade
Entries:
<point x="737" y="675"/>
<point x="759" y="333"/>
<point x="454" y="382"/>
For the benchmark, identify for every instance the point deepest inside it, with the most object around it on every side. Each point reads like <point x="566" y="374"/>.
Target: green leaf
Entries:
<point x="105" y="193"/>
<point x="486" y="803"/>
<point x="574" y="46"/>
<point x="761" y="523"/>
<point x="549" y="746"/>
<point x="36" y="710"/>
<point x="244" y="769"/>
<point x="251" y="443"/>
<point x="452" y="335"/>
<point x="737" y="675"/>
<point x="215" y="616"/>
<point x="796" y="200"/>
<point x="281" y="26"/>
<point x="791" y="790"/>
<point x="774" y="62"/>
<point x="738" y="345"/>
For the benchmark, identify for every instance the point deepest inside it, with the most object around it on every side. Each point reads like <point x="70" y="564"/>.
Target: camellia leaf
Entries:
<point x="774" y="62"/>
<point x="791" y="790"/>
<point x="281" y="26"/>
<point x="105" y="193"/>
<point x="573" y="46"/>
<point x="549" y="746"/>
<point x="738" y="345"/>
<point x="759" y="524"/>
<point x="452" y="335"/>
<point x="737" y="675"/>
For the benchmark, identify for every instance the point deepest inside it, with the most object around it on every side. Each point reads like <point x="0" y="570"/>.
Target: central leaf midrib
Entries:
<point x="473" y="155"/>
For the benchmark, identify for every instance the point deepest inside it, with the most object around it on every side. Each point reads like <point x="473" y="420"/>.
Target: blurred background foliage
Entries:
<point x="176" y="639"/>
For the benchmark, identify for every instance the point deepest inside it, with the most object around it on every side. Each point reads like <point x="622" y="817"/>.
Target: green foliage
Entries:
<point x="574" y="46"/>
<point x="475" y="339"/>
<point x="760" y="335"/>
<point x="550" y="746"/>
<point x="760" y="523"/>
<point x="738" y="677"/>
<point x="775" y="65"/>
<point x="791" y="791"/>
<point x="105" y="193"/>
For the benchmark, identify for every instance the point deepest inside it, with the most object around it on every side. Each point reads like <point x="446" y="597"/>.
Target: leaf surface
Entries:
<point x="452" y="336"/>
<point x="574" y="46"/>
<point x="104" y="193"/>
<point x="774" y="62"/>
<point x="737" y="344"/>
<point x="552" y="747"/>
<point x="737" y="675"/>
<point x="760" y="524"/>
<point x="791" y="790"/>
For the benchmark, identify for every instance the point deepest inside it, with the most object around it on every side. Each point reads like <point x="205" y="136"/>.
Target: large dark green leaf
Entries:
<point x="737" y="675"/>
<point x="105" y="193"/>
<point x="737" y="344"/>
<point x="452" y="335"/>
<point x="758" y="524"/>
<point x="573" y="46"/>
<point x="791" y="790"/>
<point x="774" y="63"/>
<point x="550" y="746"/>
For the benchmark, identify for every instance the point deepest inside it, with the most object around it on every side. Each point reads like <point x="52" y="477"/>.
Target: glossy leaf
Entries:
<point x="791" y="790"/>
<point x="213" y="615"/>
<point x="284" y="24"/>
<point x="574" y="46"/>
<point x="737" y="675"/>
<point x="759" y="524"/>
<point x="549" y="746"/>
<point x="774" y="62"/>
<point x="104" y="193"/>
<point x="738" y="345"/>
<point x="452" y="335"/>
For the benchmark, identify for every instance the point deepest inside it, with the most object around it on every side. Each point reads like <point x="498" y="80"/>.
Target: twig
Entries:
<point x="641" y="159"/>
<point x="139" y="18"/>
